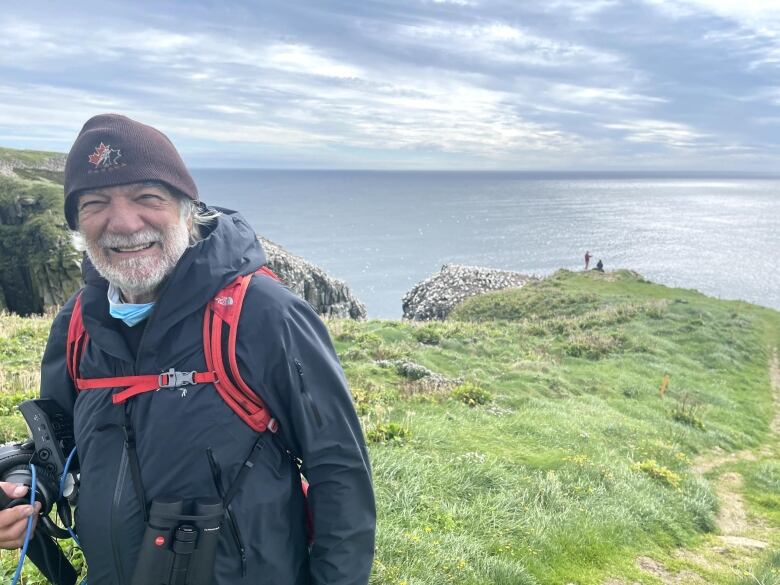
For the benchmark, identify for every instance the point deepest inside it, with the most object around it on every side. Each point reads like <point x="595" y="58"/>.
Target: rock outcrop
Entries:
<point x="11" y="166"/>
<point x="328" y="296"/>
<point x="435" y="297"/>
<point x="38" y="267"/>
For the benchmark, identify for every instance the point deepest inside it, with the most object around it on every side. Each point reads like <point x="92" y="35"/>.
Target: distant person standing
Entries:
<point x="587" y="258"/>
<point x="600" y="266"/>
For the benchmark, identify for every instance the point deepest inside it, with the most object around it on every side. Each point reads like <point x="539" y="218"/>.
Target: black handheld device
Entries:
<point x="52" y="439"/>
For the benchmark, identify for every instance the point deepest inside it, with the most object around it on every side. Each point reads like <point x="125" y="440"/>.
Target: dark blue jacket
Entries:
<point x="286" y="356"/>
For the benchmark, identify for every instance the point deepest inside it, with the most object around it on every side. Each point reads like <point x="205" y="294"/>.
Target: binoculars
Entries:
<point x="180" y="542"/>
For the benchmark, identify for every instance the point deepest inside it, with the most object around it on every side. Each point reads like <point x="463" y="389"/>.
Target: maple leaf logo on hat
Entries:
<point x="105" y="156"/>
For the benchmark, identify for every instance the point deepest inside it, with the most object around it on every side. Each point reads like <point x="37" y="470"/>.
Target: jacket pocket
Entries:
<point x="307" y="399"/>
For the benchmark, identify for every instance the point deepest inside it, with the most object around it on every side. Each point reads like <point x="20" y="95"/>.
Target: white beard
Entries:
<point x="141" y="274"/>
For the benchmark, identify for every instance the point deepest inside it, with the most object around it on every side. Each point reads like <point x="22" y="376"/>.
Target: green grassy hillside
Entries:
<point x="29" y="157"/>
<point x="589" y="428"/>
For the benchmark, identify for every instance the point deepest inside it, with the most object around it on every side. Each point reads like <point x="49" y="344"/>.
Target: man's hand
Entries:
<point x="13" y="521"/>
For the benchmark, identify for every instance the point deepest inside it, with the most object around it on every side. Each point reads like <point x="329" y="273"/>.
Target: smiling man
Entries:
<point x="134" y="235"/>
<point x="156" y="258"/>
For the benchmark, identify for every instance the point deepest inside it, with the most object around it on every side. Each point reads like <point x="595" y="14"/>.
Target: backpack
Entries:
<point x="223" y="309"/>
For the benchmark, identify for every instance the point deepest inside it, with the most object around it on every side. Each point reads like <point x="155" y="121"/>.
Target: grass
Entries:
<point x="530" y="439"/>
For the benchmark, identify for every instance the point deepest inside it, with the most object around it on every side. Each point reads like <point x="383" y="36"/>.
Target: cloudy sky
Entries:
<point x="407" y="84"/>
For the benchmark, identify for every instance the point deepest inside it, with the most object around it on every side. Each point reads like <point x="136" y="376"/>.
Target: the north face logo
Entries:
<point x="224" y="301"/>
<point x="105" y="156"/>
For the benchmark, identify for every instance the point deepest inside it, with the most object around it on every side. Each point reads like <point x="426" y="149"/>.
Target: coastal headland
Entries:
<point x="587" y="428"/>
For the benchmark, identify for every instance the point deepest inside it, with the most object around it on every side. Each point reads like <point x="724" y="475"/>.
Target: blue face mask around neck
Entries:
<point x="130" y="313"/>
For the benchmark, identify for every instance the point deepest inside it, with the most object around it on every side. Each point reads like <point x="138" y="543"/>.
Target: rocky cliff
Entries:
<point x="327" y="295"/>
<point x="28" y="164"/>
<point x="435" y="297"/>
<point x="38" y="267"/>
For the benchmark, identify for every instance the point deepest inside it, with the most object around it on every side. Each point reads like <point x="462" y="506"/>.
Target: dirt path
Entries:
<point x="741" y="538"/>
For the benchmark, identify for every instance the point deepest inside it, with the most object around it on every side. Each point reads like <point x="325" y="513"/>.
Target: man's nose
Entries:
<point x="124" y="218"/>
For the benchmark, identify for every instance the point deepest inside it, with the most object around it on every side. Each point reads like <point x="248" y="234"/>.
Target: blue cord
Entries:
<point x="62" y="488"/>
<point x="73" y="536"/>
<point x="28" y="533"/>
<point x="65" y="472"/>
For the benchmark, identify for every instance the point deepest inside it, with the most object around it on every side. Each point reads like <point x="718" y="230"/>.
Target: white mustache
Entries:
<point x="142" y="238"/>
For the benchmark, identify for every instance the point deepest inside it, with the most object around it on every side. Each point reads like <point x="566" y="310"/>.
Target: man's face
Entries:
<point x="134" y="234"/>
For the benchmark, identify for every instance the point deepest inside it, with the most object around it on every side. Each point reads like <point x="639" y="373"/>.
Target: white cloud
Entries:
<point x="225" y="109"/>
<point x="29" y="111"/>
<point x="27" y="43"/>
<point x="495" y="92"/>
<point x="450" y="115"/>
<point x="456" y="2"/>
<point x="499" y="42"/>
<point x="671" y="134"/>
<point x="30" y="103"/>
<point x="757" y="23"/>
<point x="304" y="59"/>
<point x="754" y="14"/>
<point x="597" y="96"/>
<point x="578" y="9"/>
<point x="766" y="95"/>
<point x="149" y="40"/>
<point x="456" y="117"/>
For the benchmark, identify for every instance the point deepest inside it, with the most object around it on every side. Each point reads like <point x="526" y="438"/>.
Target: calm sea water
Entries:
<point x="382" y="232"/>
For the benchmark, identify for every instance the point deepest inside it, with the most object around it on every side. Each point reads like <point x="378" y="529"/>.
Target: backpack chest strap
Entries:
<point x="221" y="313"/>
<point x="134" y="385"/>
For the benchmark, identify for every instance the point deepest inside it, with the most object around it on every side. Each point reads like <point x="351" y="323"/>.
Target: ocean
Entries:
<point x="383" y="232"/>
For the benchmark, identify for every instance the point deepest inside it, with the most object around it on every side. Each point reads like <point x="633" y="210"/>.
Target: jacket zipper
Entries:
<point x="216" y="475"/>
<point x="308" y="399"/>
<point x="118" y="489"/>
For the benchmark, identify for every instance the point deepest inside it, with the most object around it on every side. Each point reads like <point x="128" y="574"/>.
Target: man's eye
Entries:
<point x="86" y="204"/>
<point x="150" y="197"/>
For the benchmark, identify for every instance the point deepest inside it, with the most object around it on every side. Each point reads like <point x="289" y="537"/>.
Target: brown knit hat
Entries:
<point x="114" y="150"/>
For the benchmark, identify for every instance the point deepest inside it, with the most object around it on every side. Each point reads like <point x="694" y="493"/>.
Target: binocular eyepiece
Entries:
<point x="180" y="543"/>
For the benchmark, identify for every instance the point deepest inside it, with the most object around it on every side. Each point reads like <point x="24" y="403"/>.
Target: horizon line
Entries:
<point x="623" y="172"/>
<point x="668" y="172"/>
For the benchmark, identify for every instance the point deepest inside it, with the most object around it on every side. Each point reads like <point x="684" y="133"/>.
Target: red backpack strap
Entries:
<point x="225" y="309"/>
<point x="77" y="340"/>
<point x="133" y="385"/>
